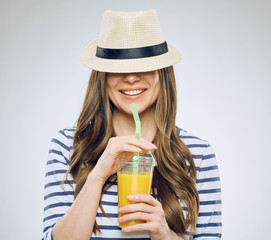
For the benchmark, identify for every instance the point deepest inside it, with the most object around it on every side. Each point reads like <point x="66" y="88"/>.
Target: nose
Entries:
<point x="131" y="78"/>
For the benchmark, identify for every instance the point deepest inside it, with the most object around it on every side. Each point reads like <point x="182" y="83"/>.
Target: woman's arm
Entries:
<point x="77" y="222"/>
<point x="64" y="216"/>
<point x="209" y="224"/>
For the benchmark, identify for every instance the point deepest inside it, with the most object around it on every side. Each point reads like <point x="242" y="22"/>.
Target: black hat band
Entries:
<point x="131" y="53"/>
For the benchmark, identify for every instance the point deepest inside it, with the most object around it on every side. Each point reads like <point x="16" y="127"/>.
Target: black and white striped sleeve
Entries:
<point x="58" y="197"/>
<point x="209" y="224"/>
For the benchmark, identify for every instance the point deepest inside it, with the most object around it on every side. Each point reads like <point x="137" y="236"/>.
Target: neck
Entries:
<point x="124" y="124"/>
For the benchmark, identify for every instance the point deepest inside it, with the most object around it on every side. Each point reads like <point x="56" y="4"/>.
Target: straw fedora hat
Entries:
<point x="129" y="42"/>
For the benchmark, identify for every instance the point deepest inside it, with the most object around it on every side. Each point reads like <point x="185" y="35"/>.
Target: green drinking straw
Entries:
<point x="137" y="135"/>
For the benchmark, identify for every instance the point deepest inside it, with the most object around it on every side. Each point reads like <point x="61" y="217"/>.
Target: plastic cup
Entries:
<point x="131" y="182"/>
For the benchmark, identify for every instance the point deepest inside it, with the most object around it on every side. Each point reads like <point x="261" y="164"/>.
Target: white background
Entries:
<point x="223" y="94"/>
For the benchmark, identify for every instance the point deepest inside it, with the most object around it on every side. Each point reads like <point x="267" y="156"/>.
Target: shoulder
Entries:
<point x="66" y="133"/>
<point x="190" y="140"/>
<point x="199" y="148"/>
<point x="64" y="138"/>
<point x="61" y="144"/>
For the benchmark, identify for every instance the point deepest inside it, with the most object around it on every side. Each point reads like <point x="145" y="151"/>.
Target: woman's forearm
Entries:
<point x="79" y="220"/>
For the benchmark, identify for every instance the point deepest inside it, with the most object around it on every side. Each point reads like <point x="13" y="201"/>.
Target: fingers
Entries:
<point x="148" y="143"/>
<point x="150" y="226"/>
<point x="145" y="198"/>
<point x="146" y="208"/>
<point x="139" y="207"/>
<point x="142" y="143"/>
<point x="116" y="147"/>
<point x="133" y="140"/>
<point x="135" y="216"/>
<point x="128" y="144"/>
<point x="129" y="148"/>
<point x="139" y="211"/>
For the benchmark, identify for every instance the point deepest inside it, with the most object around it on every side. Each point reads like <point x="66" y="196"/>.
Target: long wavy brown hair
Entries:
<point x="175" y="174"/>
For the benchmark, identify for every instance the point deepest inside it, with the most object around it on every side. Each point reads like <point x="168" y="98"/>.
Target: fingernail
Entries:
<point x="130" y="197"/>
<point x="150" y="145"/>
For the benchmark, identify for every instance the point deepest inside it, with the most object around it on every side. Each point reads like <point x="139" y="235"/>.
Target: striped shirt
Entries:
<point x="59" y="197"/>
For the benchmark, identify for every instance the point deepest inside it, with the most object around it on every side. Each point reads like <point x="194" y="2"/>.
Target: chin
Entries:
<point x="144" y="109"/>
<point x="141" y="108"/>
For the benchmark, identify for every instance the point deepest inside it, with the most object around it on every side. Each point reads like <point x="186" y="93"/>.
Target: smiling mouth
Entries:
<point x="133" y="92"/>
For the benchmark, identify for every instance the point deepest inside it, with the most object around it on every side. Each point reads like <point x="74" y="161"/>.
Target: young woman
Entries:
<point x="132" y="63"/>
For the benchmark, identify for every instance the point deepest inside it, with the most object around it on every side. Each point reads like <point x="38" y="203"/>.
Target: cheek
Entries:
<point x="157" y="90"/>
<point x="111" y="96"/>
<point x="110" y="88"/>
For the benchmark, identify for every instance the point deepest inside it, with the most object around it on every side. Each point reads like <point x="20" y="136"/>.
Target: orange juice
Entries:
<point x="128" y="184"/>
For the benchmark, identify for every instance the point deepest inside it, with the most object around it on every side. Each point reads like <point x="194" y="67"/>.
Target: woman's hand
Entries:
<point x="106" y="165"/>
<point x="148" y="209"/>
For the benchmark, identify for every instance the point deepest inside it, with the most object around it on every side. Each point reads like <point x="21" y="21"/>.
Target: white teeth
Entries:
<point x="134" y="92"/>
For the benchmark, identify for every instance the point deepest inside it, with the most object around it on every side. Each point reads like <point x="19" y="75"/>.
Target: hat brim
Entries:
<point x="89" y="59"/>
